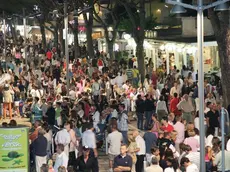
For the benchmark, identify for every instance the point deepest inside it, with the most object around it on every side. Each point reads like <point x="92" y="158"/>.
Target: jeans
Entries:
<point x="140" y="120"/>
<point x="148" y="118"/>
<point x="125" y="136"/>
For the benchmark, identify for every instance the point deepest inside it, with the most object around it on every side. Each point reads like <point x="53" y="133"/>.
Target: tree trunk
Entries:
<point x="13" y="31"/>
<point x="224" y="56"/>
<point x="90" y="49"/>
<point x="220" y="24"/>
<point x="140" y="59"/>
<point x="43" y="33"/>
<point x="110" y="44"/>
<point x="89" y="30"/>
<point x="76" y="41"/>
<point x="61" y="40"/>
<point x="56" y="36"/>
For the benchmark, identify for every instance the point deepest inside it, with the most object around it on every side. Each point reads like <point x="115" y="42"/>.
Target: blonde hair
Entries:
<point x="174" y="135"/>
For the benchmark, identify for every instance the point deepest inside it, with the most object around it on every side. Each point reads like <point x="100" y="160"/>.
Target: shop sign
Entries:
<point x="14" y="150"/>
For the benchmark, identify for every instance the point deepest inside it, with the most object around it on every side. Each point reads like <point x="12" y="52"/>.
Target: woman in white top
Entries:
<point x="161" y="108"/>
<point x="172" y="165"/>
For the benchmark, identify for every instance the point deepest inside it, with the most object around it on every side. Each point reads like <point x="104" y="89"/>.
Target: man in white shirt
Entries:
<point x="72" y="94"/>
<point x="63" y="137"/>
<point x="89" y="139"/>
<point x="114" y="140"/>
<point x="61" y="159"/>
<point x="140" y="151"/>
<point x="190" y="167"/>
<point x="179" y="127"/>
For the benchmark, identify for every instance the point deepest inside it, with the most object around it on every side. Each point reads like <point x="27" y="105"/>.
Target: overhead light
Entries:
<point x="31" y="17"/>
<point x="222" y="7"/>
<point x="177" y="9"/>
<point x="9" y="18"/>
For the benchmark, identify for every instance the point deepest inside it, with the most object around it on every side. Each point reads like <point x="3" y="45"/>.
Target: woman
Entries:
<point x="156" y="125"/>
<point x="161" y="108"/>
<point x="191" y="141"/>
<point x="72" y="146"/>
<point x="172" y="165"/>
<point x="147" y="82"/>
<point x="131" y="151"/>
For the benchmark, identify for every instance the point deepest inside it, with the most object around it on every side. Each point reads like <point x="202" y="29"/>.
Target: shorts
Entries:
<point x="111" y="157"/>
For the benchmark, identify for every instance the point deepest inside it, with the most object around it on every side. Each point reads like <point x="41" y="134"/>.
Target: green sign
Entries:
<point x="14" y="150"/>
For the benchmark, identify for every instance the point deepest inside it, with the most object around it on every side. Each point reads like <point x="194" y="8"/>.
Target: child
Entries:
<point x="155" y="152"/>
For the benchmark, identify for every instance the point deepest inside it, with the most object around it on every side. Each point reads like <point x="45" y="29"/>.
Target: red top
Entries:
<point x="173" y="106"/>
<point x="49" y="55"/>
<point x="100" y="62"/>
<point x="168" y="128"/>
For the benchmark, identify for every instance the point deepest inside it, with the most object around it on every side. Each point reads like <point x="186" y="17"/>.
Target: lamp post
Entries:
<point x="4" y="36"/>
<point x="66" y="45"/>
<point x="24" y="26"/>
<point x="179" y="8"/>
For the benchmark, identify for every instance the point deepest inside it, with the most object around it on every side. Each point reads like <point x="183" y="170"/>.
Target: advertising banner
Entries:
<point x="14" y="155"/>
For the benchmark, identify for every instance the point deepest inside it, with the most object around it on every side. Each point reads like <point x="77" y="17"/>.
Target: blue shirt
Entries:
<point x="150" y="141"/>
<point x="123" y="161"/>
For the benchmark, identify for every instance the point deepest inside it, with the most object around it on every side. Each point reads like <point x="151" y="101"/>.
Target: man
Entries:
<point x="50" y="114"/>
<point x="187" y="108"/>
<point x="114" y="140"/>
<point x="150" y="140"/>
<point x="154" y="166"/>
<point x="140" y="151"/>
<point x="37" y="126"/>
<point x="190" y="167"/>
<point x="218" y="160"/>
<point x="89" y="139"/>
<point x="44" y="108"/>
<point x="135" y="76"/>
<point x="86" y="163"/>
<point x="122" y="162"/>
<point x="39" y="146"/>
<point x="123" y="123"/>
<point x="140" y="108"/>
<point x="213" y="118"/>
<point x="96" y="92"/>
<point x="175" y="89"/>
<point x="179" y="128"/>
<point x="63" y="137"/>
<point x="166" y="127"/>
<point x="61" y="159"/>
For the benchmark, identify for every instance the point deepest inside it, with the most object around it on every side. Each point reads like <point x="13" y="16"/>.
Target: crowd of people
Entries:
<point x="104" y="96"/>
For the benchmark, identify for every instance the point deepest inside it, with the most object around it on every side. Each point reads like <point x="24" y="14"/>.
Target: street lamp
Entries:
<point x="219" y="6"/>
<point x="4" y="36"/>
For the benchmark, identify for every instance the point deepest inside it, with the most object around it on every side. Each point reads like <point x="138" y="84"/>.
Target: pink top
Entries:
<point x="179" y="127"/>
<point x="207" y="158"/>
<point x="155" y="127"/>
<point x="191" y="141"/>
